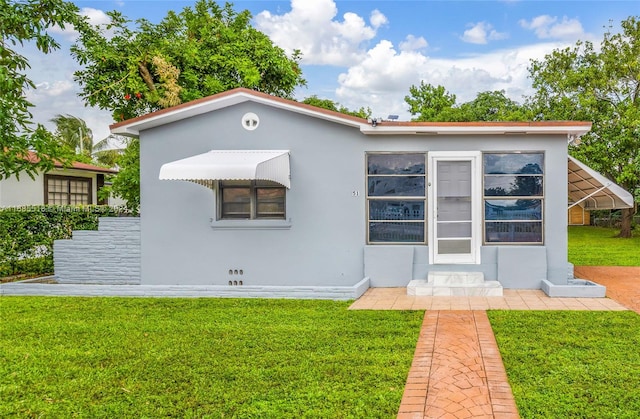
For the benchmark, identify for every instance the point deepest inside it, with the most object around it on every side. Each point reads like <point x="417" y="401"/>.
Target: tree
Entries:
<point x="108" y="151"/>
<point x="126" y="184"/>
<point x="428" y="101"/>
<point x="20" y="22"/>
<point x="601" y="85"/>
<point x="198" y="52"/>
<point x="73" y="133"/>
<point x="488" y="106"/>
<point x="336" y="107"/>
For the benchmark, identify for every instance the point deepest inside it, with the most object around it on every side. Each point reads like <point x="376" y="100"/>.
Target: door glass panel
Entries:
<point x="454" y="207"/>
<point x="454" y="230"/>
<point x="454" y="247"/>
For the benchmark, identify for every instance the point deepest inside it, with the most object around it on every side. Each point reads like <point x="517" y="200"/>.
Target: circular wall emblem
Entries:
<point x="250" y="121"/>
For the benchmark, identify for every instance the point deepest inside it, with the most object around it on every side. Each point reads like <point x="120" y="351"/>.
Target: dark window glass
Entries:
<point x="270" y="202"/>
<point x="396" y="232"/>
<point x="513" y="185"/>
<point x="513" y="232"/>
<point x="395" y="164"/>
<point x="513" y="209"/>
<point x="396" y="210"/>
<point x="513" y="163"/>
<point x="514" y="192"/>
<point x="248" y="200"/>
<point x="396" y="186"/>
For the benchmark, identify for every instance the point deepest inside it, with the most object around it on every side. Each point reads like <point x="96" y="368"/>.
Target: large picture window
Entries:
<point x="396" y="198"/>
<point x="251" y="200"/>
<point x="66" y="190"/>
<point x="513" y="197"/>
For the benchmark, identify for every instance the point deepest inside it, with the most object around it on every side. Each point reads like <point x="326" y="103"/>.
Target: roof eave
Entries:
<point x="213" y="103"/>
<point x="494" y="129"/>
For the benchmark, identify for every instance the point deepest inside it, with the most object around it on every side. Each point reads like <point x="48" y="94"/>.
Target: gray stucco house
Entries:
<point x="255" y="192"/>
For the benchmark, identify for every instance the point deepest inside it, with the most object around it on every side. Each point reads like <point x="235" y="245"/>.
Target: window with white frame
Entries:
<point x="513" y="197"/>
<point x="396" y="197"/>
<point x="251" y="200"/>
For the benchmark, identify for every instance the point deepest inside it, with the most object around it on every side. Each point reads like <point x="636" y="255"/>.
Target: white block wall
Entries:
<point x="110" y="255"/>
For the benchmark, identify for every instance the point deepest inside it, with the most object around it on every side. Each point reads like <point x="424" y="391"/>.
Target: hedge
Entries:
<point x="27" y="233"/>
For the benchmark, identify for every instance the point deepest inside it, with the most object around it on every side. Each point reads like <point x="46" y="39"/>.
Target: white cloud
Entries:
<point x="377" y="19"/>
<point x="95" y="16"/>
<point x="411" y="43"/>
<point x="548" y="27"/>
<point x="481" y="33"/>
<point x="312" y="27"/>
<point x="383" y="78"/>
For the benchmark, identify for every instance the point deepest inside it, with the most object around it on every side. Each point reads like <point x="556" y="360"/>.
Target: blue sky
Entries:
<point x="368" y="53"/>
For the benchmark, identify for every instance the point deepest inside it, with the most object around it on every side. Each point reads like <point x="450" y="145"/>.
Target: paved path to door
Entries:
<point x="457" y="370"/>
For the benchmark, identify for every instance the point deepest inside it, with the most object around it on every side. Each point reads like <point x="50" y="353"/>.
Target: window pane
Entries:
<point x="396" y="186"/>
<point x="270" y="202"/>
<point x="396" y="210"/>
<point x="454" y="209"/>
<point x="454" y="230"/>
<point x="513" y="185"/>
<point x="396" y="232"/>
<point x="513" y="232"/>
<point x="395" y="164"/>
<point x="454" y="247"/>
<point x="513" y="209"/>
<point x="513" y="163"/>
<point x="236" y="203"/>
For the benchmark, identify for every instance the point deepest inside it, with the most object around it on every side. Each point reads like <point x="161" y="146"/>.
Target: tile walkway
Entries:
<point x="457" y="371"/>
<point x="397" y="299"/>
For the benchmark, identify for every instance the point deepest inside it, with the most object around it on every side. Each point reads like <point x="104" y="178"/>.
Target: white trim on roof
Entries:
<point x="204" y="106"/>
<point x="569" y="130"/>
<point x="214" y="165"/>
<point x="591" y="190"/>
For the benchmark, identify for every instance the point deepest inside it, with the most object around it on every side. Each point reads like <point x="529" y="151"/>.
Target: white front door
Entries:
<point x="454" y="207"/>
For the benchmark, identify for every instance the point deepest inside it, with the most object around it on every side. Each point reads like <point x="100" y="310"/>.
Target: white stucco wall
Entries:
<point x="28" y="191"/>
<point x="325" y="244"/>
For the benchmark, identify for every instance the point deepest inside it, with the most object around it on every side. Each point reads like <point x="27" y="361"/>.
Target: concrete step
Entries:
<point x="447" y="284"/>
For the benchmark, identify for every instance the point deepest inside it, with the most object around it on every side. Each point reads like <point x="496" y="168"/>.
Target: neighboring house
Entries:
<point x="77" y="184"/>
<point x="279" y="193"/>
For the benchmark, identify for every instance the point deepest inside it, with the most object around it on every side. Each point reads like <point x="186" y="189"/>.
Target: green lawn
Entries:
<point x="144" y="357"/>
<point x="571" y="364"/>
<point x="598" y="246"/>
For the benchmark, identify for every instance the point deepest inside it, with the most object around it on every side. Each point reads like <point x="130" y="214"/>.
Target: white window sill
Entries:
<point x="251" y="224"/>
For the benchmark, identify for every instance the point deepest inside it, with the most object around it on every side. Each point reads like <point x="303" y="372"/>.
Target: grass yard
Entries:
<point x="598" y="246"/>
<point x="144" y="357"/>
<point x="571" y="364"/>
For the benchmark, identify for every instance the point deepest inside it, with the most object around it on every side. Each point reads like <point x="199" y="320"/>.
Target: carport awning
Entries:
<point x="205" y="168"/>
<point x="591" y="190"/>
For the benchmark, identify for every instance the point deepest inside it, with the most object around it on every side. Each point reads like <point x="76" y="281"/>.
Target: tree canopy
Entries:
<point x="333" y="106"/>
<point x="20" y="22"/>
<point x="132" y="69"/>
<point x="601" y="85"/>
<point x="428" y="102"/>
<point x="434" y="103"/>
<point x="74" y="134"/>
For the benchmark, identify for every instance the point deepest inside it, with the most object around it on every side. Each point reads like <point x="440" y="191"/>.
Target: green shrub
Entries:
<point x="27" y="233"/>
